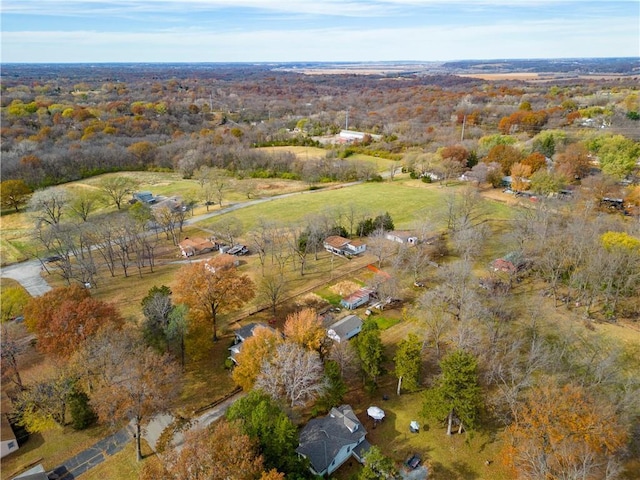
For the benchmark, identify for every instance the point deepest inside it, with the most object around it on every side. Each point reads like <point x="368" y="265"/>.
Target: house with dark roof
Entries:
<point x="241" y="335"/>
<point x="345" y="328"/>
<point x="330" y="441"/>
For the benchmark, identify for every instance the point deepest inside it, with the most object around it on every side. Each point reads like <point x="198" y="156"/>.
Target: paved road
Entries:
<point x="28" y="275"/>
<point x="92" y="456"/>
<point x="156" y="426"/>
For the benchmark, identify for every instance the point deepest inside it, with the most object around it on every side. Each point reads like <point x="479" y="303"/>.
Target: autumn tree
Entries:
<point x="293" y="374"/>
<point x="219" y="450"/>
<point x="43" y="404"/>
<point x="573" y="162"/>
<point x="456" y="394"/>
<point x="255" y="351"/>
<point x="117" y="187"/>
<point x="520" y="174"/>
<point x="130" y="381"/>
<point x="408" y="363"/>
<point x="211" y="293"/>
<point x="66" y="317"/>
<point x="564" y="432"/>
<point x="14" y="194"/>
<point x="505" y="156"/>
<point x="304" y="327"/>
<point x="12" y="302"/>
<point x="264" y="420"/>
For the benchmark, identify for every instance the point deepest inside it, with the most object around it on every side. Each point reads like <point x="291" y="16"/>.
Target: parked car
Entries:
<point x="413" y="461"/>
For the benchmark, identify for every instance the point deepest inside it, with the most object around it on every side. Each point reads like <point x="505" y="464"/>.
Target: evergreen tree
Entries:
<point x="457" y="392"/>
<point x="370" y="352"/>
<point x="408" y="362"/>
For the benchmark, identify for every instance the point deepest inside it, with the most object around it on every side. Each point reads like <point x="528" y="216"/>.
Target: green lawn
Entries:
<point x="406" y="202"/>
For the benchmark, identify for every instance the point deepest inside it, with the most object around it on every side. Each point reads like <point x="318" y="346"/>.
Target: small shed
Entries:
<point x="356" y="299"/>
<point x="345" y="328"/>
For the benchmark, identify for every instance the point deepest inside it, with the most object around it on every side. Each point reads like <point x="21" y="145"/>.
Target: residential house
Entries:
<point x="402" y="236"/>
<point x="145" y="197"/>
<point x="510" y="263"/>
<point x="9" y="442"/>
<point x="344" y="329"/>
<point x="343" y="246"/>
<point x="240" y="336"/>
<point x="195" y="246"/>
<point x="330" y="441"/>
<point x="357" y="298"/>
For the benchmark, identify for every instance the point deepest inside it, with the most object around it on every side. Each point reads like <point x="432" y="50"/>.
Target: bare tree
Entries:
<point x="118" y="187"/>
<point x="48" y="205"/>
<point x="294" y="373"/>
<point x="273" y="289"/>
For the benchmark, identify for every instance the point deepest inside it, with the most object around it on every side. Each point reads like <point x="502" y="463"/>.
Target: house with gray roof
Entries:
<point x="330" y="441"/>
<point x="345" y="328"/>
<point x="240" y="336"/>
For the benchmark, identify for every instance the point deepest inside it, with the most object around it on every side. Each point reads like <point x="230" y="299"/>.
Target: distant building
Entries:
<point x="349" y="136"/>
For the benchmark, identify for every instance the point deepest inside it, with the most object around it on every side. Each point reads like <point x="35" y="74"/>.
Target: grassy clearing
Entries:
<point x="405" y="201"/>
<point x="51" y="449"/>
<point x="121" y="465"/>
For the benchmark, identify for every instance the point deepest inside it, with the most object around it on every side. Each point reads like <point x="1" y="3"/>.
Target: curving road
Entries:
<point x="28" y="273"/>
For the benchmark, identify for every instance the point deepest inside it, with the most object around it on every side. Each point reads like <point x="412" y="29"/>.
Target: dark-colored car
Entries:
<point x="413" y="461"/>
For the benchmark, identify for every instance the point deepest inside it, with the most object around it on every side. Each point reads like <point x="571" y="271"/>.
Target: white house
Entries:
<point x="9" y="442"/>
<point x="330" y="441"/>
<point x="357" y="298"/>
<point x="343" y="246"/>
<point x="344" y="329"/>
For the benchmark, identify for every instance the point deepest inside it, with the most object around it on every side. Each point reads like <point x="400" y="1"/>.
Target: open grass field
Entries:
<point x="310" y="153"/>
<point x="405" y="200"/>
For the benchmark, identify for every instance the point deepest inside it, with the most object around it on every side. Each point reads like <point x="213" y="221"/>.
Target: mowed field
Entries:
<point x="407" y="201"/>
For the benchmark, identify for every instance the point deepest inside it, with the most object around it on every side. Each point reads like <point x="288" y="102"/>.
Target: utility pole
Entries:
<point x="346" y="124"/>
<point x="464" y="121"/>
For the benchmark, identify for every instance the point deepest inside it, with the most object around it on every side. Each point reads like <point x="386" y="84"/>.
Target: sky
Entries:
<point x="92" y="31"/>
